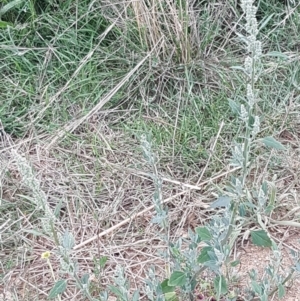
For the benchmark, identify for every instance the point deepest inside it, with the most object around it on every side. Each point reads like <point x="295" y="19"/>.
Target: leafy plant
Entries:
<point x="219" y="236"/>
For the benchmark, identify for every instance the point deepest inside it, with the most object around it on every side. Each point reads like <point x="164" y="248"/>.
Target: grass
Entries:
<point x="82" y="82"/>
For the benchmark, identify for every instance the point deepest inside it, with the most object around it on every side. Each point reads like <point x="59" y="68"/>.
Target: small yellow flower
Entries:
<point x="46" y="255"/>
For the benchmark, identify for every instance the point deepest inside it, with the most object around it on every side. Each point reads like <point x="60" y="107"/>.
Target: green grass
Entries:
<point x="47" y="57"/>
<point x="59" y="59"/>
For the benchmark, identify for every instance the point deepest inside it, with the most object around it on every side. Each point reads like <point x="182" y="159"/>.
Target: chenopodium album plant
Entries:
<point x="184" y="265"/>
<point x="39" y="198"/>
<point x="240" y="200"/>
<point x="69" y="267"/>
<point x="64" y="242"/>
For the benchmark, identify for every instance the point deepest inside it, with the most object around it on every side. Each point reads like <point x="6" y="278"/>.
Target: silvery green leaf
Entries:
<point x="264" y="297"/>
<point x="220" y="256"/>
<point x="178" y="278"/>
<point x="171" y="296"/>
<point x="261" y="238"/>
<point x="204" y="255"/>
<point x="58" y="288"/>
<point x="116" y="291"/>
<point x="85" y="279"/>
<point x="136" y="296"/>
<point x="203" y="233"/>
<point x="265" y="187"/>
<point x="167" y="288"/>
<point x="68" y="240"/>
<point x="262" y="198"/>
<point x="297" y="266"/>
<point x="235" y="106"/>
<point x="222" y="201"/>
<point x="220" y="285"/>
<point x="222" y="235"/>
<point x="242" y="210"/>
<point x="281" y="291"/>
<point x="212" y="255"/>
<point x="256" y="287"/>
<point x="273" y="143"/>
<point x="270" y="271"/>
<point x="213" y="267"/>
<point x="103" y="296"/>
<point x="158" y="219"/>
<point x="58" y="208"/>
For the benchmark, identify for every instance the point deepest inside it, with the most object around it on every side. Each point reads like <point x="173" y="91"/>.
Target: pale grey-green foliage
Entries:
<point x="38" y="198"/>
<point x="67" y="242"/>
<point x="161" y="217"/>
<point x="122" y="287"/>
<point x="153" y="288"/>
<point x="252" y="69"/>
<point x="69" y="266"/>
<point x="178" y="257"/>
